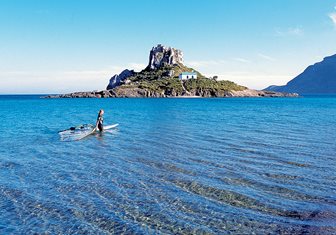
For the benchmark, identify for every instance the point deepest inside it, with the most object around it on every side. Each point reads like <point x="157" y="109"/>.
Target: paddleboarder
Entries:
<point x="100" y="120"/>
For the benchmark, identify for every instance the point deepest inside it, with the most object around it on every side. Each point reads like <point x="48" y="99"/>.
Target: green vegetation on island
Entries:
<point x="166" y="80"/>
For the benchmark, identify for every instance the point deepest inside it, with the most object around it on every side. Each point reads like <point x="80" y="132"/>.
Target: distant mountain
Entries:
<point x="319" y="78"/>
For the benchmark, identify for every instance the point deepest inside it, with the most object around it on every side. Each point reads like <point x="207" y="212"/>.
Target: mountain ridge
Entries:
<point x="319" y="78"/>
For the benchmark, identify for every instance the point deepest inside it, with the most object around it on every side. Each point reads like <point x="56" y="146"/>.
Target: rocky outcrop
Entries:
<point x="118" y="79"/>
<point x="256" y="93"/>
<point x="319" y="78"/>
<point x="160" y="56"/>
<point x="88" y="94"/>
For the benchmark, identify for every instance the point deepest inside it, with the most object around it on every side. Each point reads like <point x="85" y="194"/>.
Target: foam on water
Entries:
<point x="173" y="166"/>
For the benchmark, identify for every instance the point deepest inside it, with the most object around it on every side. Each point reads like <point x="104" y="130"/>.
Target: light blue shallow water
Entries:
<point x="173" y="166"/>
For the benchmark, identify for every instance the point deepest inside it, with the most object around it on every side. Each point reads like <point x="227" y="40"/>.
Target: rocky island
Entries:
<point x="167" y="76"/>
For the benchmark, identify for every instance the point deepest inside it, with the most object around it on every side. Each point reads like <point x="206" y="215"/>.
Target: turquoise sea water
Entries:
<point x="174" y="166"/>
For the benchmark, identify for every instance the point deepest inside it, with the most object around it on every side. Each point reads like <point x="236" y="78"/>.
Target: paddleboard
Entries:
<point x="108" y="127"/>
<point x="81" y="131"/>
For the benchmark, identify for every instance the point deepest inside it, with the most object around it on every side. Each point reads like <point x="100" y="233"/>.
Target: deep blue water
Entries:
<point x="174" y="166"/>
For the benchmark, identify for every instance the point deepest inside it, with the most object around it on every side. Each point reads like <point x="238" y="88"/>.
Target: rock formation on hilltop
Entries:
<point x="318" y="78"/>
<point x="160" y="56"/>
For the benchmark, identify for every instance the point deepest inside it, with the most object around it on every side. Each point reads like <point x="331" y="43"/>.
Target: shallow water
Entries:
<point x="176" y="166"/>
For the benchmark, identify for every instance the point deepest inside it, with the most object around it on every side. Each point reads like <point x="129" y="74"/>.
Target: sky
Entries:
<point x="49" y="46"/>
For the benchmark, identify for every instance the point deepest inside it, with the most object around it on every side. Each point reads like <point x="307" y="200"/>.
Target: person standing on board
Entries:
<point x="100" y="120"/>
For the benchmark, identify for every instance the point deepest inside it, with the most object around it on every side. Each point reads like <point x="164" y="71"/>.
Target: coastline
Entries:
<point x="145" y="93"/>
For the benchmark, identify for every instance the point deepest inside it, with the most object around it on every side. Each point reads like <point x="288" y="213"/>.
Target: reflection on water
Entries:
<point x="208" y="166"/>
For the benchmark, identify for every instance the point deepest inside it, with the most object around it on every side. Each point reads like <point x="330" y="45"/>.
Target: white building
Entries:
<point x="188" y="75"/>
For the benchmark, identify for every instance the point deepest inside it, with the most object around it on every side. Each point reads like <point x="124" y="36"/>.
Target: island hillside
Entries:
<point x="167" y="76"/>
<point x="319" y="78"/>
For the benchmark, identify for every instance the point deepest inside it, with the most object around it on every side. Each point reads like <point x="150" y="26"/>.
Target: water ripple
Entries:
<point x="191" y="166"/>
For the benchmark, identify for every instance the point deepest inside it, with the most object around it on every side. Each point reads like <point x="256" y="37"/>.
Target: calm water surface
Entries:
<point x="174" y="166"/>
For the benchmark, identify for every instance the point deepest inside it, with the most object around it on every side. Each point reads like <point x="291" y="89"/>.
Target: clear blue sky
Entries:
<point x="51" y="46"/>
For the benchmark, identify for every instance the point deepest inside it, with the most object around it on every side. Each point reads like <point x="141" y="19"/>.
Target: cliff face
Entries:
<point x="117" y="79"/>
<point x="317" y="78"/>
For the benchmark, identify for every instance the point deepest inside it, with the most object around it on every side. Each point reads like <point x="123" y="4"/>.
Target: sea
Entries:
<point x="172" y="166"/>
